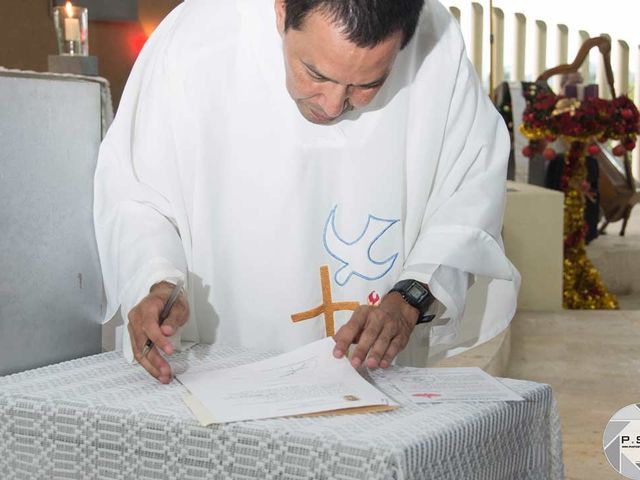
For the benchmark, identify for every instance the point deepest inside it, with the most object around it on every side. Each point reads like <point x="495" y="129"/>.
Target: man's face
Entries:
<point x="327" y="75"/>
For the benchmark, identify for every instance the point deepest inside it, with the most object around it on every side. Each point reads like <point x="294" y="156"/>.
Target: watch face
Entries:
<point x="417" y="292"/>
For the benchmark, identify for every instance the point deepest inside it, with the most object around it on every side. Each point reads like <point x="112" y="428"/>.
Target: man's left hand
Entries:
<point x="379" y="332"/>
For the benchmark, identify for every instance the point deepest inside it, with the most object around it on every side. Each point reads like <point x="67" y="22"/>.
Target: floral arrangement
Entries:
<point x="581" y="123"/>
<point x="549" y="116"/>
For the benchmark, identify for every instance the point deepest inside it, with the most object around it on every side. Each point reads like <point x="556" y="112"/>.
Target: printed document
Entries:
<point x="433" y="385"/>
<point x="305" y="381"/>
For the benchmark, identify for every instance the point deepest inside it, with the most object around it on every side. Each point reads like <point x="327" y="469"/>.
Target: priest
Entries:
<point x="308" y="168"/>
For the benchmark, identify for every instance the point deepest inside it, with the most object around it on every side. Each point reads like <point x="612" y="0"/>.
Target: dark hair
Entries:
<point x="364" y="22"/>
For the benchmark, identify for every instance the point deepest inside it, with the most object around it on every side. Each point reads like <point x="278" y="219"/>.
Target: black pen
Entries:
<point x="166" y="310"/>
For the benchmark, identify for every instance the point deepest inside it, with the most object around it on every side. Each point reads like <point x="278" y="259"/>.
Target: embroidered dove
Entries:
<point x="356" y="255"/>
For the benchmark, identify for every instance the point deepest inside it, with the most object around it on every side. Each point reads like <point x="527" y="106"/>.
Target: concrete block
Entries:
<point x="533" y="238"/>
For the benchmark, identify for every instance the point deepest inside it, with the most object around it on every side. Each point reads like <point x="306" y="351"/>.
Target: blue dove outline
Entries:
<point x="391" y="260"/>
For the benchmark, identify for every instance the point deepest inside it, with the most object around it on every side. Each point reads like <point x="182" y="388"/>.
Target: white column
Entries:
<point x="455" y="11"/>
<point x="585" y="69"/>
<point x="498" y="47"/>
<point x="603" y="86"/>
<point x="562" y="48"/>
<point x="540" y="64"/>
<point x="562" y="51"/>
<point x="477" y="36"/>
<point x="519" y="47"/>
<point x="622" y="68"/>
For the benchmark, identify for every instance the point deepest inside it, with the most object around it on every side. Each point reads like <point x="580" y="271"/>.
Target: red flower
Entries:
<point x="593" y="149"/>
<point x="619" y="150"/>
<point x="549" y="153"/>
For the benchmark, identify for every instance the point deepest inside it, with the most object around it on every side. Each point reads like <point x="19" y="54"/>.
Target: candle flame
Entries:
<point x="69" y="8"/>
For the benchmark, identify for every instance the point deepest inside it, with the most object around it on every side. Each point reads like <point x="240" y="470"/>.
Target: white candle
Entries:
<point x="72" y="29"/>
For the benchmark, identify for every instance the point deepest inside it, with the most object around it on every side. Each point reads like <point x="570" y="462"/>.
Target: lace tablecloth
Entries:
<point x="100" y="418"/>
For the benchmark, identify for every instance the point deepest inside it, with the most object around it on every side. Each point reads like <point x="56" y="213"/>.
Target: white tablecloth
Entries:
<point x="99" y="417"/>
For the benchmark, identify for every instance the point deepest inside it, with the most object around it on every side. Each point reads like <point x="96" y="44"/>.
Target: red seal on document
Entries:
<point x="427" y="395"/>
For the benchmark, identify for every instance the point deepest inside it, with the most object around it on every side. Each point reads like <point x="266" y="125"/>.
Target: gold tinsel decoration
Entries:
<point x="582" y="286"/>
<point x="579" y="123"/>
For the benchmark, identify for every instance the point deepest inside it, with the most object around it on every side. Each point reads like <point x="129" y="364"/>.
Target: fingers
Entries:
<point x="349" y="332"/>
<point x="179" y="313"/>
<point x="177" y="317"/>
<point x="380" y="334"/>
<point x="144" y="324"/>
<point x="160" y="364"/>
<point x="394" y="348"/>
<point x="380" y="347"/>
<point x="150" y="324"/>
<point x="373" y="328"/>
<point x="153" y="362"/>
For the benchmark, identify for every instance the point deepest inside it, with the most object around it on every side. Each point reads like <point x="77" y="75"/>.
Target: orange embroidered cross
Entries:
<point x="328" y="308"/>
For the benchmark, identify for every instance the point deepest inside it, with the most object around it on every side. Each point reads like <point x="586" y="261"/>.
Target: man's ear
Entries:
<point x="280" y="6"/>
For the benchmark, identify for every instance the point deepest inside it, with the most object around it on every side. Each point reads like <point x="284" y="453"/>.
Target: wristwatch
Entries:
<point x="416" y="295"/>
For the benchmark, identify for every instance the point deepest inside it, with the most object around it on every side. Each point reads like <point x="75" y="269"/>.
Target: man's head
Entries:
<point x="338" y="53"/>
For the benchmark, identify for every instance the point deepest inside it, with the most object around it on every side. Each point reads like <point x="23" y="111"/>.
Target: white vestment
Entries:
<point x="209" y="171"/>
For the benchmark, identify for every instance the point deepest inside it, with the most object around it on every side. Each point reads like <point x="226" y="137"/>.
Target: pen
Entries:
<point x="166" y="310"/>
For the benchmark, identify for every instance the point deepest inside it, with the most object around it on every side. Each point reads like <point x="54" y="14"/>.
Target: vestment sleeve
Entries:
<point x="460" y="233"/>
<point x="135" y="201"/>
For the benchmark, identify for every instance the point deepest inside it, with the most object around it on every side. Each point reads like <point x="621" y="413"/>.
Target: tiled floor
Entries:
<point x="592" y="361"/>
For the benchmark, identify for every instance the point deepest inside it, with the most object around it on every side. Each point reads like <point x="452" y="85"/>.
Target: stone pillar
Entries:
<point x="562" y="51"/>
<point x="477" y="36"/>
<point x="585" y="69"/>
<point x="455" y="11"/>
<point x="622" y="68"/>
<point x="540" y="64"/>
<point x="519" y="48"/>
<point x="498" y="47"/>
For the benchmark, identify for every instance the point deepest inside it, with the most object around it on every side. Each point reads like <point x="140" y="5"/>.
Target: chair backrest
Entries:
<point x="51" y="295"/>
<point x="613" y="182"/>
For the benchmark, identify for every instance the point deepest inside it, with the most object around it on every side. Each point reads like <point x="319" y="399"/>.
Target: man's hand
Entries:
<point x="380" y="332"/>
<point x="144" y="324"/>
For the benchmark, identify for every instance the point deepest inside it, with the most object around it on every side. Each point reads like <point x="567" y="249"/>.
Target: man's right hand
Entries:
<point x="144" y="324"/>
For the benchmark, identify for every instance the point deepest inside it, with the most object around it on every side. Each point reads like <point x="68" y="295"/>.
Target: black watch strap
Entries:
<point x="426" y="318"/>
<point x="418" y="296"/>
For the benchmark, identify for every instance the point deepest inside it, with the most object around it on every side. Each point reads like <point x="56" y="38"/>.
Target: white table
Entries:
<point x="100" y="418"/>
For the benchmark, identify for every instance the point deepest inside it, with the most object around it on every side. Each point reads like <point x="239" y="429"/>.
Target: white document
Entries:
<point x="308" y="380"/>
<point x="433" y="385"/>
